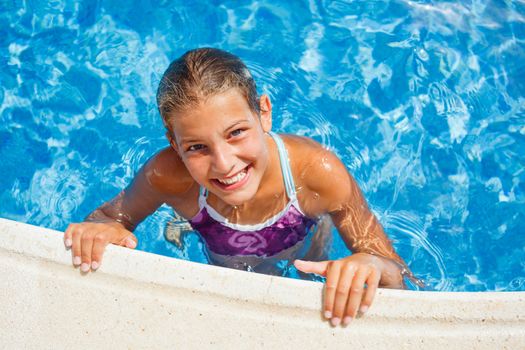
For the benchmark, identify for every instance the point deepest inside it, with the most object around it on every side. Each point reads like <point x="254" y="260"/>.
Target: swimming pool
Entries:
<point x="423" y="101"/>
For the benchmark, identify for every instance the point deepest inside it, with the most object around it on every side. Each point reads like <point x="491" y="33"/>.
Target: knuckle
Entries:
<point x="330" y="288"/>
<point x="357" y="289"/>
<point x="341" y="291"/>
<point x="366" y="267"/>
<point x="76" y="230"/>
<point x="337" y="265"/>
<point x="352" y="267"/>
<point x="113" y="233"/>
<point x="100" y="239"/>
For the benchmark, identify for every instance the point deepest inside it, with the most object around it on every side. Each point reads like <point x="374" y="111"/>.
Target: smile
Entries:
<point x="235" y="181"/>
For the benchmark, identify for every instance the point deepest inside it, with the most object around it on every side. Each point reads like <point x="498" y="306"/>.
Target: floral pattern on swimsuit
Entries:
<point x="290" y="228"/>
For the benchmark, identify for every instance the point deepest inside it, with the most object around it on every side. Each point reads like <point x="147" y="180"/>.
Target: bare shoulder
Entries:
<point x="166" y="173"/>
<point x="302" y="151"/>
<point x="309" y="159"/>
<point x="319" y="173"/>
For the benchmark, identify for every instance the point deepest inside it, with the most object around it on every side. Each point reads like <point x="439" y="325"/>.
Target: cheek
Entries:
<point x="259" y="155"/>
<point x="197" y="168"/>
<point x="256" y="150"/>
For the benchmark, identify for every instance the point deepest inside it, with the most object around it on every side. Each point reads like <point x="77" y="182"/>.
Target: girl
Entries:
<point x="255" y="197"/>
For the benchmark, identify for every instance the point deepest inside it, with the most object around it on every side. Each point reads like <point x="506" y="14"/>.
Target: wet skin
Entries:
<point x="222" y="145"/>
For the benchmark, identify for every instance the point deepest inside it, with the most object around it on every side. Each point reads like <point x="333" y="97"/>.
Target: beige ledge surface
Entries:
<point x="139" y="300"/>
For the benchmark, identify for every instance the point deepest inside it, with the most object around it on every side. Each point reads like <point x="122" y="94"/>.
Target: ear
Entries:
<point x="265" y="106"/>
<point x="172" y="141"/>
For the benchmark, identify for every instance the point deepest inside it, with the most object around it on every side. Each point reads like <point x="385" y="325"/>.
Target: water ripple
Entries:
<point x="55" y="193"/>
<point x="406" y="227"/>
<point x="422" y="100"/>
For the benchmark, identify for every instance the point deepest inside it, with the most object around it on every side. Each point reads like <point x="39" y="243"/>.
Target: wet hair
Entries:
<point x="200" y="74"/>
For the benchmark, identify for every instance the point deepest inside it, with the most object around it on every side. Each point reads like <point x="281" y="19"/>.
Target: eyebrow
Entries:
<point x="186" y="141"/>
<point x="235" y="123"/>
<point x="193" y="140"/>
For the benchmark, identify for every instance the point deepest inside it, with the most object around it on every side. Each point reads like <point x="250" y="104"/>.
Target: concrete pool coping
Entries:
<point x="143" y="300"/>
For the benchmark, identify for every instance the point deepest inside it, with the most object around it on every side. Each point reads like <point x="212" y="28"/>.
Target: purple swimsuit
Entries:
<point x="267" y="239"/>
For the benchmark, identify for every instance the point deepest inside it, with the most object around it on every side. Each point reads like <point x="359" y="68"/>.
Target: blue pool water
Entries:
<point x="424" y="101"/>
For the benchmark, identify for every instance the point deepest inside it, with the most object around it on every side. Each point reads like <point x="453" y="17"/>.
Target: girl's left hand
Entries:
<point x="345" y="284"/>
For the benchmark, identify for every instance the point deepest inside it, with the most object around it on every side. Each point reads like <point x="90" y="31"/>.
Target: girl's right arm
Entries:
<point x="114" y="221"/>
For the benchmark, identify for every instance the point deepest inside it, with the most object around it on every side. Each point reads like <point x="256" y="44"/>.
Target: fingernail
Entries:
<point x="84" y="267"/>
<point x="76" y="260"/>
<point x="94" y="265"/>
<point x="327" y="314"/>
<point x="363" y="309"/>
<point x="68" y="243"/>
<point x="336" y="321"/>
<point x="347" y="320"/>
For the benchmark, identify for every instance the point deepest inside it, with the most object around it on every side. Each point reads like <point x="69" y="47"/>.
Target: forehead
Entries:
<point x="218" y="111"/>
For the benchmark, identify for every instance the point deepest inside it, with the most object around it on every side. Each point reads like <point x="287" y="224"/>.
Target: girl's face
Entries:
<point x="222" y="143"/>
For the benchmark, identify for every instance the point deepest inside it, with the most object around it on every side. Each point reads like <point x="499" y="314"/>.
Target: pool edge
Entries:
<point x="144" y="296"/>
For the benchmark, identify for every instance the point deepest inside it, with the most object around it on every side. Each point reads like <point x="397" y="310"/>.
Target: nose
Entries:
<point x="223" y="159"/>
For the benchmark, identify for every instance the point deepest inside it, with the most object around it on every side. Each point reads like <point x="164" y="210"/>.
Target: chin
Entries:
<point x="237" y="199"/>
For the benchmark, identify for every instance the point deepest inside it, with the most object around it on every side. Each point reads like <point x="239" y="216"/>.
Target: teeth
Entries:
<point x="234" y="179"/>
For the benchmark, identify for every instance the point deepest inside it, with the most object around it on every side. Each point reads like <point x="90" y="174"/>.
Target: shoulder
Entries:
<point x="166" y="173"/>
<point x="319" y="173"/>
<point x="308" y="157"/>
<point x="302" y="150"/>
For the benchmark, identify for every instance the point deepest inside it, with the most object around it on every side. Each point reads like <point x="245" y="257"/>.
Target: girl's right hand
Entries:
<point x="88" y="241"/>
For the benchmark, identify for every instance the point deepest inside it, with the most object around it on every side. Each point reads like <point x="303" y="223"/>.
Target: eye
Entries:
<point x="194" y="148"/>
<point x="236" y="132"/>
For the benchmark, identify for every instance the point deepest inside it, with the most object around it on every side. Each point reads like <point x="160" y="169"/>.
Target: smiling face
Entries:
<point x="223" y="145"/>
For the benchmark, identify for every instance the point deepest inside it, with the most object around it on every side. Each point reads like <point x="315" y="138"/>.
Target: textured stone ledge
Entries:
<point x="143" y="300"/>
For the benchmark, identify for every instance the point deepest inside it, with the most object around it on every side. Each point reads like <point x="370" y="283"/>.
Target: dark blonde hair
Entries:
<point x="199" y="74"/>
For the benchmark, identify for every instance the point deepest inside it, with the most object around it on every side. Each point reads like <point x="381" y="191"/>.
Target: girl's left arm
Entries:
<point x="351" y="282"/>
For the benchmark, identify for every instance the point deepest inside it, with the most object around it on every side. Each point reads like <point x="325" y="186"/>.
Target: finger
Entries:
<point x="76" y="245"/>
<point x="356" y="294"/>
<point x="129" y="241"/>
<point x="317" y="267"/>
<point x="99" y="245"/>
<point x="332" y="280"/>
<point x="342" y="292"/>
<point x="67" y="236"/>
<point x="372" y="284"/>
<point x="85" y="253"/>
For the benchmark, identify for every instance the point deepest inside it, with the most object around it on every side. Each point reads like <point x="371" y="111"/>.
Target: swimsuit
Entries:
<point x="273" y="238"/>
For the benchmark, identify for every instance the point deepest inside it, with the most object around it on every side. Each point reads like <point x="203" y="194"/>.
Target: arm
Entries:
<point x="351" y="282"/>
<point x="114" y="220"/>
<point x="132" y="205"/>
<point x="362" y="233"/>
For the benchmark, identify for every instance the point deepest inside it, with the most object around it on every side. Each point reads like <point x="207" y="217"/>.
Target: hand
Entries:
<point x="345" y="284"/>
<point x="89" y="239"/>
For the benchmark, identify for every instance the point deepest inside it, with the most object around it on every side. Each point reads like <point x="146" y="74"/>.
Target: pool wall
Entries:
<point x="142" y="300"/>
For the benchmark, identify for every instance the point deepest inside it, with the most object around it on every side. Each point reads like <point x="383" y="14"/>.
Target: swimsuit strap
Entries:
<point x="203" y="194"/>
<point x="285" y="166"/>
<point x="285" y="169"/>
